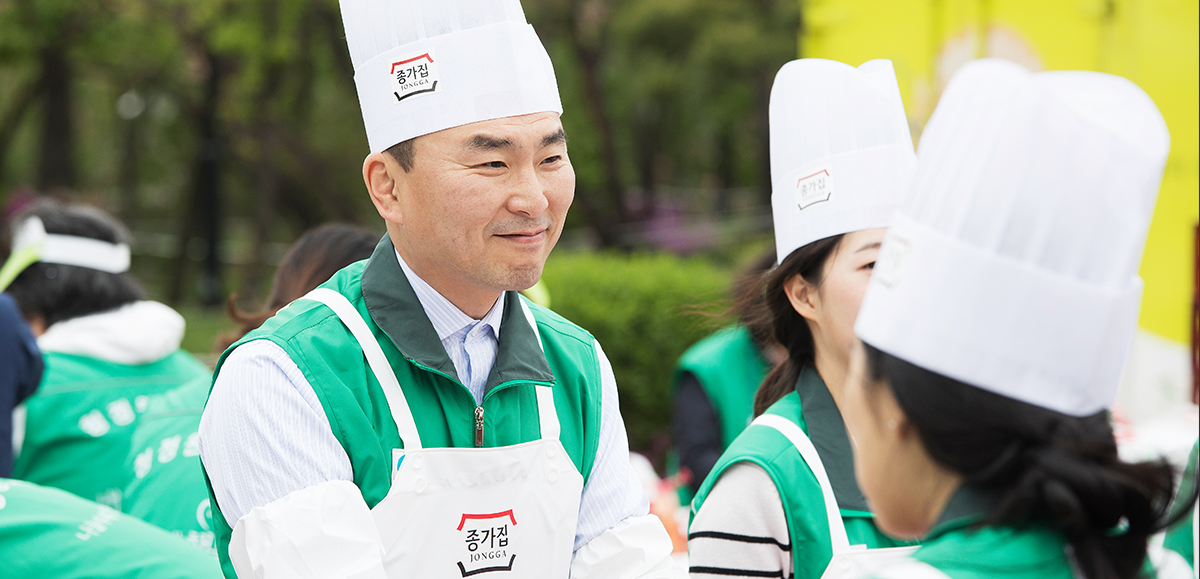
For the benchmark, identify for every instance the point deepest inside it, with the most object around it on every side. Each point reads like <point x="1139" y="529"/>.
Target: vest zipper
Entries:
<point x="478" y="426"/>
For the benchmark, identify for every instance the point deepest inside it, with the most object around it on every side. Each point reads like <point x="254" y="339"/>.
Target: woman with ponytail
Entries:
<point x="782" y="500"/>
<point x="994" y="331"/>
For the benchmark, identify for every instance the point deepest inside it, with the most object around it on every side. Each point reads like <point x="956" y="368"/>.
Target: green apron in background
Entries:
<point x="730" y="367"/>
<point x="79" y="422"/>
<point x="45" y="532"/>
<point x="166" y="486"/>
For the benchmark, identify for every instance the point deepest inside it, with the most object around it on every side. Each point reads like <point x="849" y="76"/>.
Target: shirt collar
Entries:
<point x="828" y="434"/>
<point x="447" y="319"/>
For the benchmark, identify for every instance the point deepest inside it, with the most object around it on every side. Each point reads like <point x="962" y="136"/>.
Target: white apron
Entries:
<point x="497" y="513"/>
<point x="848" y="560"/>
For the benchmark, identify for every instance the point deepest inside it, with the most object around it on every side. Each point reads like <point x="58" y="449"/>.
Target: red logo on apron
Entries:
<point x="486" y="538"/>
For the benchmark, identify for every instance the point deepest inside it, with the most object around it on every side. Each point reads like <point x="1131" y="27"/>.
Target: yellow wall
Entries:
<point x="1155" y="43"/>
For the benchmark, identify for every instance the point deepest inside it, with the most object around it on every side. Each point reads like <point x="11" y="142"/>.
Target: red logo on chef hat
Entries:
<point x="487" y="540"/>
<point x="414" y="75"/>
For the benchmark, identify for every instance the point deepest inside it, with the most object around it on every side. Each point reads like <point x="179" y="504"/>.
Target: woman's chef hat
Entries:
<point x="1012" y="265"/>
<point x="421" y="66"/>
<point x="841" y="153"/>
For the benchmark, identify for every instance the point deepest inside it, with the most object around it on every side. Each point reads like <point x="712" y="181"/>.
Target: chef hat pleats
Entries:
<point x="421" y="66"/>
<point x="1012" y="264"/>
<point x="841" y="152"/>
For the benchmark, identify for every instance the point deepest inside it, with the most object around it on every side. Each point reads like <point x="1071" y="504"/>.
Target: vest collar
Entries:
<point x="828" y="434"/>
<point x="968" y="505"/>
<point x="394" y="307"/>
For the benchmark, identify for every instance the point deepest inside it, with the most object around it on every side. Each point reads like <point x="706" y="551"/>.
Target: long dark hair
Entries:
<point x="1045" y="466"/>
<point x="788" y="327"/>
<point x="309" y="262"/>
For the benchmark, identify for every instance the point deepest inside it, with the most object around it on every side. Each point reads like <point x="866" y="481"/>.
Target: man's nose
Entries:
<point x="528" y="195"/>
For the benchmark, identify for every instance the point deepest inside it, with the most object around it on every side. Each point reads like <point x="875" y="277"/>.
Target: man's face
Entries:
<point x="484" y="203"/>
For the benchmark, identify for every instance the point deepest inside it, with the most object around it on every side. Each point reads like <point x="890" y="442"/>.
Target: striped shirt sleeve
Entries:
<point x="741" y="529"/>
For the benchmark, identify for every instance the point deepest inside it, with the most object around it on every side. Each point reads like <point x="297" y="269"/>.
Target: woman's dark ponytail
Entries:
<point x="789" y="327"/>
<point x="1044" y="466"/>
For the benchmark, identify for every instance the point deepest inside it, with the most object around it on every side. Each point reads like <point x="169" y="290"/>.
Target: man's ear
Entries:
<point x="803" y="296"/>
<point x="379" y="174"/>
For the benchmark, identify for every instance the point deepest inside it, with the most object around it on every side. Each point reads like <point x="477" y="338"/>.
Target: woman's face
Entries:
<point x="833" y="307"/>
<point x="905" y="488"/>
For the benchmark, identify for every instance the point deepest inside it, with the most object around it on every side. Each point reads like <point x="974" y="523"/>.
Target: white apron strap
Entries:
<point x="837" y="529"/>
<point x="547" y="416"/>
<point x="376" y="360"/>
<point x="911" y="569"/>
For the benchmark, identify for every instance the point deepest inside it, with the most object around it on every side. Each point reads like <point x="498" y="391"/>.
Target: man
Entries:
<point x="415" y="417"/>
<point x="106" y="350"/>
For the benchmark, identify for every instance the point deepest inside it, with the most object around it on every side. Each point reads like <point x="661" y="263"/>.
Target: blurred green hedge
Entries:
<point x="645" y="309"/>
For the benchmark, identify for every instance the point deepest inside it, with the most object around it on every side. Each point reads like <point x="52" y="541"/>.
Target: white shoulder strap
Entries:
<point x="910" y="569"/>
<point x="547" y="416"/>
<point x="837" y="529"/>
<point x="376" y="360"/>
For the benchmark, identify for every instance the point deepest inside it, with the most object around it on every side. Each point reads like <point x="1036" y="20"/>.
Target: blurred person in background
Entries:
<point x="106" y="349"/>
<point x="995" y="329"/>
<point x="167" y="488"/>
<point x="716" y="378"/>
<point x="309" y="262"/>
<point x="782" y="500"/>
<point x="20" y="372"/>
<point x="46" y="532"/>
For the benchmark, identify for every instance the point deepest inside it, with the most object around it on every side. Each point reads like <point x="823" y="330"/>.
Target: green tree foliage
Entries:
<point x="645" y="310"/>
<point x="218" y="128"/>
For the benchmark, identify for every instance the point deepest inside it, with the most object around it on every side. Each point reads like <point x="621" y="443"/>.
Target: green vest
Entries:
<point x="166" y="485"/>
<point x="1179" y="537"/>
<point x="803" y="503"/>
<point x="79" y="423"/>
<point x="443" y="408"/>
<point x="962" y="549"/>
<point x="730" y="367"/>
<point x="45" y="532"/>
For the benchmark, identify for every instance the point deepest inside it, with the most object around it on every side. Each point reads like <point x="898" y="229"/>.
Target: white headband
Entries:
<point x="32" y="244"/>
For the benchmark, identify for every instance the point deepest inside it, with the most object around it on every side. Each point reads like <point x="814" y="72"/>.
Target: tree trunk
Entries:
<point x="204" y="207"/>
<point x="12" y="117"/>
<point x="762" y="124"/>
<point x="590" y="56"/>
<point x="56" y="166"/>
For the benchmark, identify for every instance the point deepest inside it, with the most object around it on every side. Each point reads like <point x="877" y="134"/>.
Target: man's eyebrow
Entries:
<point x="486" y="143"/>
<point x="869" y="246"/>
<point x="555" y="138"/>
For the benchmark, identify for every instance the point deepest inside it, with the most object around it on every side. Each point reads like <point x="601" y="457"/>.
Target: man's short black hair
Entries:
<point x="402" y="152"/>
<point x="58" y="292"/>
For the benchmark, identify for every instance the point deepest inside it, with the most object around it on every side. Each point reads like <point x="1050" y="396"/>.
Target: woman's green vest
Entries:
<point x="443" y="408"/>
<point x="45" y="532"/>
<point x="79" y="424"/>
<point x="803" y="503"/>
<point x="730" y="367"/>
<point x="166" y="486"/>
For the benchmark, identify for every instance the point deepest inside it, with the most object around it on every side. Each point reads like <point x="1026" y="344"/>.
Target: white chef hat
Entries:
<point x="1012" y="265"/>
<point x="841" y="152"/>
<point x="422" y="66"/>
